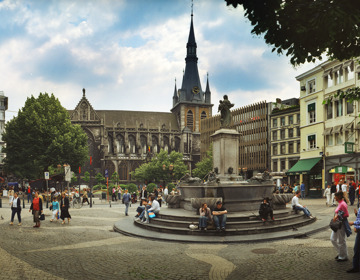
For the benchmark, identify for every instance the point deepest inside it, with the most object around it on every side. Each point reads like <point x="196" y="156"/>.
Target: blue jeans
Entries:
<point x="220" y="220"/>
<point x="303" y="194"/>
<point x="203" y="222"/>
<point x="143" y="212"/>
<point x="126" y="208"/>
<point x="29" y="197"/>
<point x="304" y="209"/>
<point x="356" y="259"/>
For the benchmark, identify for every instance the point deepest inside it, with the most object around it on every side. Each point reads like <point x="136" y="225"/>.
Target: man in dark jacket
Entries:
<point x="333" y="191"/>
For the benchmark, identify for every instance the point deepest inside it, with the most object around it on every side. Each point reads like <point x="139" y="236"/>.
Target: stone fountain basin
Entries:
<point x="237" y="196"/>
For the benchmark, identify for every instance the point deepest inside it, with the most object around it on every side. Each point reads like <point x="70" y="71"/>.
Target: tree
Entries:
<point x="115" y="177"/>
<point x="100" y="179"/>
<point x="204" y="166"/>
<point x="40" y="136"/>
<point x="158" y="169"/>
<point x="305" y="30"/>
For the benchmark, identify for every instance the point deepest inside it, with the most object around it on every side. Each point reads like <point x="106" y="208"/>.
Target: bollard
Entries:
<point x="23" y="203"/>
<point x="0" y="202"/>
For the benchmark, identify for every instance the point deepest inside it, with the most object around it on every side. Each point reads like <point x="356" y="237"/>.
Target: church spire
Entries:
<point x="207" y="91"/>
<point x="175" y="96"/>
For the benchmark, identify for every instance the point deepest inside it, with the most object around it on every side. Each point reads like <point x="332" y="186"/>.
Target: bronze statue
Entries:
<point x="224" y="108"/>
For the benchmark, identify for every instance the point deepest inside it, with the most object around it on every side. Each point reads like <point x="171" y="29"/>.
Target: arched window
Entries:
<point x="155" y="144"/>
<point x="177" y="144"/>
<point x="120" y="144"/>
<point x="203" y="115"/>
<point x="123" y="171"/>
<point x="190" y="120"/>
<point x="166" y="143"/>
<point x="143" y="142"/>
<point x="132" y="144"/>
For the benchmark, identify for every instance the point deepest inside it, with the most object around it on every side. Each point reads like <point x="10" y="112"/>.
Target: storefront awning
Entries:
<point x="337" y="129"/>
<point x="341" y="169"/>
<point x="327" y="131"/>
<point x="303" y="166"/>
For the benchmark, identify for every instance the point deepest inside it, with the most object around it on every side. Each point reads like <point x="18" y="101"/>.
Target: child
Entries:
<point x="55" y="209"/>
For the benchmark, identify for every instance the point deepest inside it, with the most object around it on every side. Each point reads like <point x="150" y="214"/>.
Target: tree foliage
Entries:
<point x="305" y="30"/>
<point x="204" y="166"/>
<point x="40" y="136"/>
<point x="157" y="170"/>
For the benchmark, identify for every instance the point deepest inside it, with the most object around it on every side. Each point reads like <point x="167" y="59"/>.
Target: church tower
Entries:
<point x="190" y="103"/>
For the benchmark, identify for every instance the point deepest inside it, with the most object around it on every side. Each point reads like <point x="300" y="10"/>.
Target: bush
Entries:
<point x="96" y="187"/>
<point x="171" y="186"/>
<point x="150" y="187"/>
<point x="132" y="188"/>
<point x="103" y="187"/>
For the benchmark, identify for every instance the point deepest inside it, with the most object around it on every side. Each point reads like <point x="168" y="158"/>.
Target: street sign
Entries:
<point x="106" y="173"/>
<point x="47" y="176"/>
<point x="67" y="173"/>
<point x="349" y="147"/>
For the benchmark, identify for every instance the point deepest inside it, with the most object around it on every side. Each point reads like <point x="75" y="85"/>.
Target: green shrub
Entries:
<point x="96" y="187"/>
<point x="132" y="188"/>
<point x="150" y="187"/>
<point x="171" y="186"/>
<point x="103" y="187"/>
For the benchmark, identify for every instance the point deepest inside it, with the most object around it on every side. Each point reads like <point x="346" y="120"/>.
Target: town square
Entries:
<point x="179" y="139"/>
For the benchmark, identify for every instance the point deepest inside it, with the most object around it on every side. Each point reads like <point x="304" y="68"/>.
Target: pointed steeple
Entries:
<point x="207" y="91"/>
<point x="175" y="96"/>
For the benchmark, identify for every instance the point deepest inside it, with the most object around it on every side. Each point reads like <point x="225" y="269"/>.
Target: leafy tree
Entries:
<point x="171" y="186"/>
<point x="204" y="166"/>
<point x="40" y="136"/>
<point x="158" y="170"/>
<point x="305" y="30"/>
<point x="150" y="187"/>
<point x="115" y="177"/>
<point x="132" y="188"/>
<point x="100" y="179"/>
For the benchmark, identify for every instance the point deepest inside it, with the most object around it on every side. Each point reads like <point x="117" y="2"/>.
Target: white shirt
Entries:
<point x="337" y="188"/>
<point x="344" y="188"/>
<point x="166" y="192"/>
<point x="14" y="202"/>
<point x="295" y="201"/>
<point x="155" y="206"/>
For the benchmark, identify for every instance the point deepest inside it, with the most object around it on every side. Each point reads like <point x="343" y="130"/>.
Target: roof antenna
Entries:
<point x="192" y="7"/>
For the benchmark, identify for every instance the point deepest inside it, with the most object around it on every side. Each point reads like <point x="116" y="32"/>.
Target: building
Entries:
<point x="252" y="122"/>
<point x="122" y="140"/>
<point x="285" y="137"/>
<point x="310" y="167"/>
<point x="341" y="130"/>
<point x="3" y="108"/>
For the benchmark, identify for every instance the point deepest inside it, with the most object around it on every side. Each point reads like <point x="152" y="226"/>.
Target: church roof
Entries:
<point x="137" y="119"/>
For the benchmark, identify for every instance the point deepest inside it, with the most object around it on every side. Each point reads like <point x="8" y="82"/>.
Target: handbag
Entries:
<point x="152" y="215"/>
<point x="335" y="226"/>
<point x="42" y="217"/>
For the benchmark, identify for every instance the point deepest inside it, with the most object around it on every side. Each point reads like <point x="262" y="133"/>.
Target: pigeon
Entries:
<point x="2" y="218"/>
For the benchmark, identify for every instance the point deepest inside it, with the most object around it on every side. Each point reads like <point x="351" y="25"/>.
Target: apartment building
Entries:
<point x="285" y="137"/>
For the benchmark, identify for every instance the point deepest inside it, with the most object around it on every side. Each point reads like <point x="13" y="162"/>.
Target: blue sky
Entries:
<point x="127" y="54"/>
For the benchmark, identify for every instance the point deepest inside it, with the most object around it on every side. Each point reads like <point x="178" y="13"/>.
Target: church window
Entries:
<point x="203" y="115"/>
<point x="155" y="144"/>
<point x="123" y="171"/>
<point x="132" y="145"/>
<point x="120" y="144"/>
<point x="190" y="120"/>
<point x="143" y="142"/>
<point x="166" y="143"/>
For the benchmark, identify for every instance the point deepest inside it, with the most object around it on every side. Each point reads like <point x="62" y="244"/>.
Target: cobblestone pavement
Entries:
<point x="87" y="248"/>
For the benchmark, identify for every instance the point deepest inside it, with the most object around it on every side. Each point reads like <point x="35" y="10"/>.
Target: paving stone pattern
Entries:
<point x="87" y="248"/>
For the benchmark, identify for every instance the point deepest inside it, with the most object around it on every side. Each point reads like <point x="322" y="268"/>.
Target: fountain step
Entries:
<point x="254" y="229"/>
<point x="249" y="216"/>
<point x="232" y="223"/>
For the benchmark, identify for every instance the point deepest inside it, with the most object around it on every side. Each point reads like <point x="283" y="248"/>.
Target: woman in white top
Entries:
<point x="15" y="208"/>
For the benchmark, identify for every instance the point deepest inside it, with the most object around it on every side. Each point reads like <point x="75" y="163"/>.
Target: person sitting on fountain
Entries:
<point x="141" y="208"/>
<point x="205" y="216"/>
<point x="153" y="206"/>
<point x="297" y="206"/>
<point x="266" y="210"/>
<point x="219" y="216"/>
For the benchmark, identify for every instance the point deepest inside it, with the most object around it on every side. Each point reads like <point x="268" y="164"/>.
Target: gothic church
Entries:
<point x="122" y="140"/>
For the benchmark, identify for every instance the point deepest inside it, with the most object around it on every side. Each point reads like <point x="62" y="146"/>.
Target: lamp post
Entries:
<point x="169" y="169"/>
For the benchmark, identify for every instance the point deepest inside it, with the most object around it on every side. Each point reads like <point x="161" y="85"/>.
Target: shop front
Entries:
<point x="310" y="172"/>
<point x="345" y="173"/>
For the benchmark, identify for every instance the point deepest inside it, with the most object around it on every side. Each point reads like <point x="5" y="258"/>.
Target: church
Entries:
<point x="123" y="140"/>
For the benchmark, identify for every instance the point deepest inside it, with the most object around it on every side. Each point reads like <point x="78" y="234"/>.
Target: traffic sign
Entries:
<point x="47" y="176"/>
<point x="106" y="173"/>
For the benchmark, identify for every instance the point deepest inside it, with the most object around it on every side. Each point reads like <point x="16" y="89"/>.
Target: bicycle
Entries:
<point x="76" y="202"/>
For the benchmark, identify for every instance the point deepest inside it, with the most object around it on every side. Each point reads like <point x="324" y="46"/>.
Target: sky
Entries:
<point x="128" y="53"/>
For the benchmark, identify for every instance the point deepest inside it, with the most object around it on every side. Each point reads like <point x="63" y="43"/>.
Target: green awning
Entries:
<point x="303" y="166"/>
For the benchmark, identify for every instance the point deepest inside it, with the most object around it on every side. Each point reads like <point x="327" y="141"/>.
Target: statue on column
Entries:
<point x="225" y="114"/>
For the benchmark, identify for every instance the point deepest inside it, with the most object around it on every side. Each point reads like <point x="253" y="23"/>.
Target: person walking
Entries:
<point x="37" y="209"/>
<point x="352" y="188"/>
<point x="55" y="209"/>
<point x="356" y="258"/>
<point x="344" y="189"/>
<point x="327" y="194"/>
<point x="338" y="238"/>
<point x="85" y="197"/>
<point x="126" y="199"/>
<point x="302" y="188"/>
<point x="29" y="196"/>
<point x="64" y="207"/>
<point x="15" y="209"/>
<point x="333" y="191"/>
